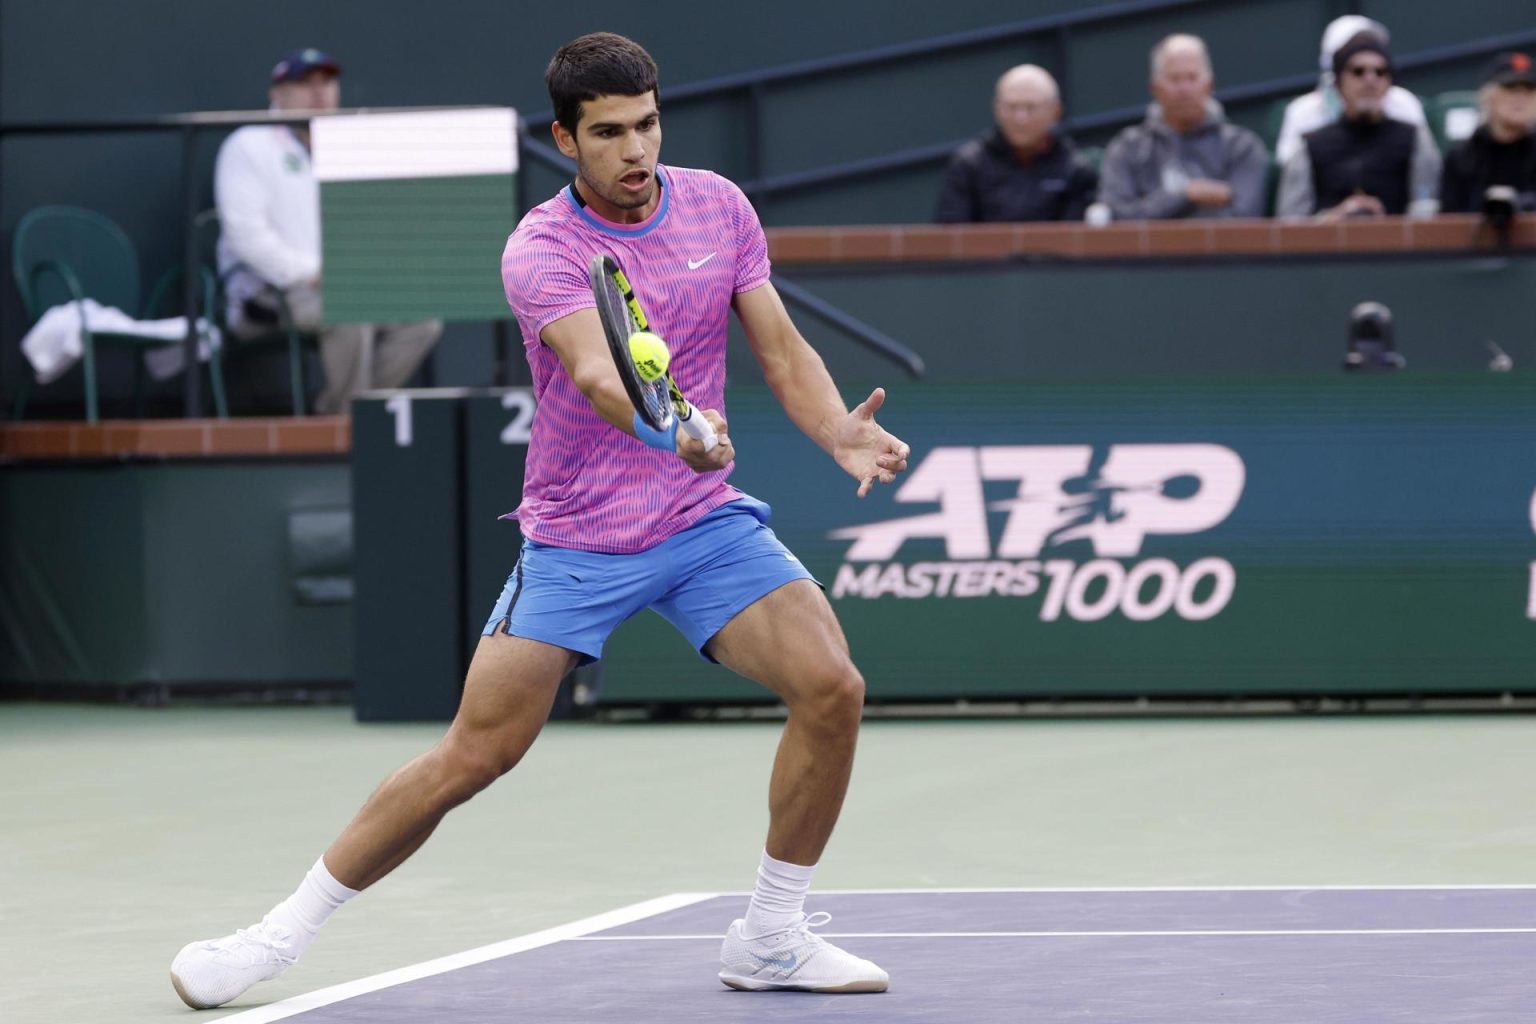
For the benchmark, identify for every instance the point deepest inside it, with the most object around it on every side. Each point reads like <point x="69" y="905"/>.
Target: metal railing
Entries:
<point x="754" y="84"/>
<point x="1271" y="90"/>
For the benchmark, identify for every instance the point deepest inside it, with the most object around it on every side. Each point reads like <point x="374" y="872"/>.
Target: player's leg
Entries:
<point x="558" y="602"/>
<point x="790" y="641"/>
<point x="744" y="600"/>
<point x="508" y="692"/>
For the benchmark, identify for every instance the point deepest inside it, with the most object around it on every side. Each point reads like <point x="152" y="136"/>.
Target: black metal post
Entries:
<point x="757" y="93"/>
<point x="501" y="359"/>
<point x="193" y="381"/>
<point x="1063" y="55"/>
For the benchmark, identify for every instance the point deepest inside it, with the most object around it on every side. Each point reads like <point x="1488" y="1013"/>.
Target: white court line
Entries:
<point x="1500" y="887"/>
<point x="584" y="928"/>
<point x="576" y="929"/>
<point x="715" y="936"/>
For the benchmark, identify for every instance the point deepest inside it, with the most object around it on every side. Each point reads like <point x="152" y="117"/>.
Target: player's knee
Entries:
<point x="467" y="770"/>
<point x="837" y="693"/>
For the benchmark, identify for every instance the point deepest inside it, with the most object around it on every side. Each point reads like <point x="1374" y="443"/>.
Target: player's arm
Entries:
<point x="578" y="340"/>
<point x="803" y="386"/>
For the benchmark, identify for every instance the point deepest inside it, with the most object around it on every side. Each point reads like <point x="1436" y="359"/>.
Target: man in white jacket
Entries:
<point x="1323" y="105"/>
<point x="269" y="244"/>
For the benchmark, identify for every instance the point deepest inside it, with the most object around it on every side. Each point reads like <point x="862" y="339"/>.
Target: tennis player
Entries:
<point x="618" y="517"/>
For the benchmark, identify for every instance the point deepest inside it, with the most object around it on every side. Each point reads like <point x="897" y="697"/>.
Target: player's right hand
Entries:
<point x="692" y="450"/>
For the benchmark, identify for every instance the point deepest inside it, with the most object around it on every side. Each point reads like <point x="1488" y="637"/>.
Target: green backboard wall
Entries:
<point x="415" y="209"/>
<point x="121" y="575"/>
<point x="1320" y="535"/>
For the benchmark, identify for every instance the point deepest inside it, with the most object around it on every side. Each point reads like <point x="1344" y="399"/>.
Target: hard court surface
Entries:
<point x="1168" y="956"/>
<point x="128" y="832"/>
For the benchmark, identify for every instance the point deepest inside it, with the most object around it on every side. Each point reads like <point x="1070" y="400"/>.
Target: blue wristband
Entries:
<point x="666" y="440"/>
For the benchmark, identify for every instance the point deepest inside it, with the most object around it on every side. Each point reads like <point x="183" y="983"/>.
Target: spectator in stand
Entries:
<point x="1185" y="159"/>
<point x="269" y="242"/>
<point x="1322" y="106"/>
<point x="1022" y="169"/>
<point x="1503" y="149"/>
<point x="1364" y="164"/>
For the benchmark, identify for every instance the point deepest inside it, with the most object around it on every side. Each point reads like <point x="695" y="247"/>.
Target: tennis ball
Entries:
<point x="650" y="355"/>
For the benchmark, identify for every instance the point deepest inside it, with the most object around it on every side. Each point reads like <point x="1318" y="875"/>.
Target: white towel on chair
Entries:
<point x="53" y="344"/>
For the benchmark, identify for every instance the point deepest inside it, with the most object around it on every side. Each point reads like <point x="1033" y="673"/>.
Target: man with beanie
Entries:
<point x="1502" y="152"/>
<point x="269" y="242"/>
<point x="1365" y="164"/>
<point x="1322" y="106"/>
<point x="1185" y="159"/>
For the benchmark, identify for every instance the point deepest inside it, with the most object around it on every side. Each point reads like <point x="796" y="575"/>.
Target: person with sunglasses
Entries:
<point x="1322" y="106"/>
<point x="1365" y="164"/>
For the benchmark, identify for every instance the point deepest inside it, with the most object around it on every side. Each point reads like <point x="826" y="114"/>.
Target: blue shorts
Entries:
<point x="698" y="580"/>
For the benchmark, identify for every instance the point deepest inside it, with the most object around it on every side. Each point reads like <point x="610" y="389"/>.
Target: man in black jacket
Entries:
<point x="1503" y="149"/>
<point x="1364" y="164"/>
<point x="1021" y="170"/>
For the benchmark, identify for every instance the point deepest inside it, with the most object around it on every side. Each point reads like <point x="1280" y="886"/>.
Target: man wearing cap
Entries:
<point x="1021" y="170"/>
<point x="1322" y="106"/>
<point x="1365" y="164"/>
<point x="1502" y="151"/>
<point x="269" y="243"/>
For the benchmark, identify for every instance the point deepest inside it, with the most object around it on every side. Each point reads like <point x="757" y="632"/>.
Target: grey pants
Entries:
<point x="356" y="357"/>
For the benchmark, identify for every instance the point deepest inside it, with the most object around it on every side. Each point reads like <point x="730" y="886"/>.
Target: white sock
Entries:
<point x="779" y="899"/>
<point x="312" y="903"/>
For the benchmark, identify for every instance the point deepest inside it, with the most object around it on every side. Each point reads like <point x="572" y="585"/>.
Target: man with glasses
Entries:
<point x="1322" y="106"/>
<point x="1365" y="164"/>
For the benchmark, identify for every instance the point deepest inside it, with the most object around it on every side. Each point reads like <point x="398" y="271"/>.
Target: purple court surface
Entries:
<point x="1138" y="956"/>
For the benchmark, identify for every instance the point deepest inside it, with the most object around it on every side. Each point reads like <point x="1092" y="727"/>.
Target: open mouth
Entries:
<point x="635" y="180"/>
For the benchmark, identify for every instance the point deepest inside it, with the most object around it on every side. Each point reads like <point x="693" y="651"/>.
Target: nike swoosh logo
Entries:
<point x="786" y="962"/>
<point x="696" y="265"/>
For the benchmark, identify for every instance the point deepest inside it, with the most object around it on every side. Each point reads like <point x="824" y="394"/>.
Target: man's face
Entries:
<point x="1513" y="106"/>
<point x="318" y="90"/>
<point x="1363" y="84"/>
<point x="1181" y="87"/>
<point x="1026" y="111"/>
<point x="615" y="147"/>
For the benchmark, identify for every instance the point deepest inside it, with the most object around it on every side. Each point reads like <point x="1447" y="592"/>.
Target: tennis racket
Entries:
<point x="657" y="401"/>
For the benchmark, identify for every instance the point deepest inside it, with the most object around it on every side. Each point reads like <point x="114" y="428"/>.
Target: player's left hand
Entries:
<point x="864" y="448"/>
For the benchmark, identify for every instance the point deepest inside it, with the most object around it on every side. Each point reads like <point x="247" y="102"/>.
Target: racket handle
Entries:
<point x="697" y="427"/>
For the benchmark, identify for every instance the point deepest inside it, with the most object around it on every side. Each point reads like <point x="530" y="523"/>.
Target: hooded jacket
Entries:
<point x="1147" y="167"/>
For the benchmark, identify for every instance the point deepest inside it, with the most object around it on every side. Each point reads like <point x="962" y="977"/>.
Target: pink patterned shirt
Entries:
<point x="589" y="485"/>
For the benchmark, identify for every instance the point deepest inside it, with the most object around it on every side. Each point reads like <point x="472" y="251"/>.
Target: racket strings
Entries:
<point x="618" y="312"/>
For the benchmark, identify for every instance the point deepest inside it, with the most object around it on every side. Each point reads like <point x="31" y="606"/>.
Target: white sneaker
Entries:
<point x="212" y="972"/>
<point x="796" y="959"/>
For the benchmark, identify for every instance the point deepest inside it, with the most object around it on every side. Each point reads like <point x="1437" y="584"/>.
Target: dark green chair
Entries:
<point x="1453" y="117"/>
<point x="1274" y="120"/>
<point x="63" y="254"/>
<point x="284" y="334"/>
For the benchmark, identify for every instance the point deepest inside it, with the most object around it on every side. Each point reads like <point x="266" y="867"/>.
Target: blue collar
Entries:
<point x="620" y="230"/>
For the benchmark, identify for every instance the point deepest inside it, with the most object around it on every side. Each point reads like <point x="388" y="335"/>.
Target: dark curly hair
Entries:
<point x="593" y="65"/>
